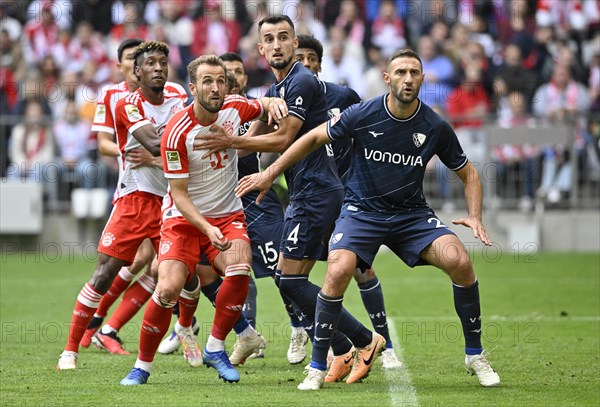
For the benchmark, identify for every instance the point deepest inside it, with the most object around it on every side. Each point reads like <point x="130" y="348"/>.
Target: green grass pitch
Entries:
<point x="541" y="318"/>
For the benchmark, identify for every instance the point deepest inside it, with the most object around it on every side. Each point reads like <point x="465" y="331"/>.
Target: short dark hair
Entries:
<point x="129" y="43"/>
<point x="405" y="52"/>
<point x="276" y="19"/>
<point x="150" y="46"/>
<point x="230" y="57"/>
<point x="211" y="60"/>
<point x="308" y="41"/>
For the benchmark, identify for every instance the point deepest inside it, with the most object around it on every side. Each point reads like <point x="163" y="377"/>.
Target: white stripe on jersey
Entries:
<point x="178" y="129"/>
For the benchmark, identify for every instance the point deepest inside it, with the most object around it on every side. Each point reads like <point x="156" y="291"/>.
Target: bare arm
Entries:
<point x="140" y="157"/>
<point x="106" y="144"/>
<point x="147" y="137"/>
<point x="262" y="181"/>
<point x="179" y="192"/>
<point x="473" y="195"/>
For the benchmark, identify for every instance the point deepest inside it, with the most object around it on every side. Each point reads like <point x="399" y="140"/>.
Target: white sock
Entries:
<point x="147" y="366"/>
<point x="107" y="329"/>
<point x="248" y="333"/>
<point x="297" y="330"/>
<point x="214" y="345"/>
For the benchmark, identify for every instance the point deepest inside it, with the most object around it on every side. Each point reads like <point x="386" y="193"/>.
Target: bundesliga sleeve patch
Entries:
<point x="133" y="113"/>
<point x="100" y="114"/>
<point x="173" y="161"/>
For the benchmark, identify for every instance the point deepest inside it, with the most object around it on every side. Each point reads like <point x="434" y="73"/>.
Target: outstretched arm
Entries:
<point x="473" y="195"/>
<point x="302" y="147"/>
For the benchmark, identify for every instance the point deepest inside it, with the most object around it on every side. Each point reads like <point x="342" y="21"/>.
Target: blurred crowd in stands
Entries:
<point x="503" y="62"/>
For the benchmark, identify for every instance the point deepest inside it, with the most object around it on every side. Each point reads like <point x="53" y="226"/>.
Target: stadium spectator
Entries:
<point x="351" y="21"/>
<point x="41" y="32"/>
<point x="213" y="34"/>
<point x="308" y="22"/>
<point x="439" y="72"/>
<point x="561" y="100"/>
<point x="341" y="69"/>
<point x="387" y="30"/>
<point x="31" y="150"/>
<point x="512" y="76"/>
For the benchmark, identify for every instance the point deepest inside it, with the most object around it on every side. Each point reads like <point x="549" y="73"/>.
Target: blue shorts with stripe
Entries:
<point x="308" y="225"/>
<point x="406" y="234"/>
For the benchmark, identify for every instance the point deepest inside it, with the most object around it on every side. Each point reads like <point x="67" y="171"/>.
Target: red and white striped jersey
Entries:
<point x="132" y="113"/>
<point x="212" y="180"/>
<point x="104" y="117"/>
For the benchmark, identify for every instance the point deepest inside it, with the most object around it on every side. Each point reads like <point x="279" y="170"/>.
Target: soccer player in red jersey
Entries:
<point x="201" y="214"/>
<point x="140" y="119"/>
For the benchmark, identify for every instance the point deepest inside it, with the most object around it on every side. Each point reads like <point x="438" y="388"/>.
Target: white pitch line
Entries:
<point x="504" y="318"/>
<point x="401" y="389"/>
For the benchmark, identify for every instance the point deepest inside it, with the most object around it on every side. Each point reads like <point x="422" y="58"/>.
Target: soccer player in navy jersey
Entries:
<point x="314" y="186"/>
<point x="310" y="54"/>
<point x="395" y="135"/>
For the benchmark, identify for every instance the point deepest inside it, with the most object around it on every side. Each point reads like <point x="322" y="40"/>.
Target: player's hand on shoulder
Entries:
<point x="216" y="238"/>
<point x="218" y="139"/>
<point x="477" y="226"/>
<point x="277" y="110"/>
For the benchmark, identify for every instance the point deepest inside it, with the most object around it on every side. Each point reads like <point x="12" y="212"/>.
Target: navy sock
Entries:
<point x="327" y="316"/>
<point x="289" y="306"/>
<point x="249" y="310"/>
<point x="372" y="298"/>
<point x="210" y="291"/>
<point x="466" y="303"/>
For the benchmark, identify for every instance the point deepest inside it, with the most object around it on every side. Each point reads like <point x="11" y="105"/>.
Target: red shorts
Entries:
<point x="134" y="217"/>
<point x="180" y="240"/>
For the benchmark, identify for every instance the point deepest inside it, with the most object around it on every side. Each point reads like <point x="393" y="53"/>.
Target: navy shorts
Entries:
<point x="265" y="241"/>
<point x="406" y="234"/>
<point x="308" y="225"/>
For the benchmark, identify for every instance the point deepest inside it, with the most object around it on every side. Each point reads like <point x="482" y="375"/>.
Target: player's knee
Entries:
<point x="238" y="270"/>
<point x="107" y="269"/>
<point x="167" y="293"/>
<point x="462" y="272"/>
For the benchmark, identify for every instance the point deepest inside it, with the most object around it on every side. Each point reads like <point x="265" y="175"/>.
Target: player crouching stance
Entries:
<point x="201" y="214"/>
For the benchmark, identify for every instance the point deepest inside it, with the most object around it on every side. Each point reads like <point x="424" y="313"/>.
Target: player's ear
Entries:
<point x="261" y="49"/>
<point x="137" y="71"/>
<point x="386" y="77"/>
<point x="192" y="88"/>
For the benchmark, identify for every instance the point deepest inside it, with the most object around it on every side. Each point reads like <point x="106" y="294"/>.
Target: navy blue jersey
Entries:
<point x="270" y="209"/>
<point x="390" y="154"/>
<point x="305" y="98"/>
<point x="338" y="99"/>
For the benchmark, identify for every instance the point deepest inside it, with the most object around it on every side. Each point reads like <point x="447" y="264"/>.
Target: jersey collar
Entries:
<point x="384" y="98"/>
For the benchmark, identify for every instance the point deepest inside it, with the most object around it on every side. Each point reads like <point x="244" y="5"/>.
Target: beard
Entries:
<point x="211" y="108"/>
<point x="403" y="99"/>
<point x="281" y="64"/>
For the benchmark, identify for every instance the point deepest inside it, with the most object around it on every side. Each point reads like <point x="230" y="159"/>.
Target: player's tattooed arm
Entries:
<point x="183" y="202"/>
<point x="473" y="195"/>
<point x="147" y="137"/>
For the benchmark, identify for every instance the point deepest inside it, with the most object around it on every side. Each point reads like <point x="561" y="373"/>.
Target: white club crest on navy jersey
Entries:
<point x="419" y="139"/>
<point x="282" y="92"/>
<point x="333" y="112"/>
<point x="299" y="101"/>
<point x="336" y="238"/>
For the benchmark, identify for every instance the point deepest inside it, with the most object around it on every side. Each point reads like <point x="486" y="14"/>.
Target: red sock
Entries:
<point x="229" y="304"/>
<point x="188" y="303"/>
<point x="87" y="302"/>
<point x="119" y="285"/>
<point x="133" y="299"/>
<point x="154" y="327"/>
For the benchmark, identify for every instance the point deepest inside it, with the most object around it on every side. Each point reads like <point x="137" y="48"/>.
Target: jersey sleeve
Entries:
<point x="449" y="149"/>
<point x="299" y="94"/>
<point x="173" y="149"/>
<point x="130" y="114"/>
<point x="249" y="109"/>
<point x="103" y="117"/>
<point x="342" y="125"/>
